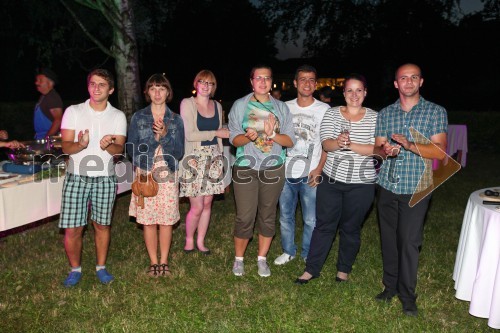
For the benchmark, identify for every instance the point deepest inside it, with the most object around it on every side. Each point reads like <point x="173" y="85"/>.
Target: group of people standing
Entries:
<point x="327" y="158"/>
<point x="301" y="149"/>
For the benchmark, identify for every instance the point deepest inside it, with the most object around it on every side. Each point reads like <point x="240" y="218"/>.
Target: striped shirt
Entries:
<point x="347" y="166"/>
<point x="402" y="174"/>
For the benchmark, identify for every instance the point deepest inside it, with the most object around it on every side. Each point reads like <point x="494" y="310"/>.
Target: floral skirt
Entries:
<point x="202" y="172"/>
<point x="162" y="209"/>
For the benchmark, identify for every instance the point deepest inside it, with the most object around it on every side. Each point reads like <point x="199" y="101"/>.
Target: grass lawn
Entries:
<point x="202" y="295"/>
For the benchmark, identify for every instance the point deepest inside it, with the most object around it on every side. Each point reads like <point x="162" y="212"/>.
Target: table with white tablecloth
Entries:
<point x="33" y="201"/>
<point x="477" y="264"/>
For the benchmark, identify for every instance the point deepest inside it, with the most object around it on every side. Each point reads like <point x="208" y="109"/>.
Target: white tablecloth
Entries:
<point x="33" y="201"/>
<point x="477" y="265"/>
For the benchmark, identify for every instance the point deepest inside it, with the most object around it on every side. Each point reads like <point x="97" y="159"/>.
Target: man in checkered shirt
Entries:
<point x="407" y="160"/>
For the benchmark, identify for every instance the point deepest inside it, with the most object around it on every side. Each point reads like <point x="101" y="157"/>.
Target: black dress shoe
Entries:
<point x="189" y="251"/>
<point x="410" y="308"/>
<point x="385" y="296"/>
<point x="206" y="253"/>
<point x="300" y="281"/>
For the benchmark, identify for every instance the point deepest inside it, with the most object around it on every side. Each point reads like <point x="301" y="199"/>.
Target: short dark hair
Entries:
<point x="407" y="64"/>
<point x="161" y="81"/>
<point x="105" y="74"/>
<point x="260" y="66"/>
<point x="307" y="69"/>
<point x="50" y="74"/>
<point x="356" y="76"/>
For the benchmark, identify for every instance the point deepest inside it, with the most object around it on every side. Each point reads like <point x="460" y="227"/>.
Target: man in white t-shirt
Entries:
<point x="304" y="163"/>
<point x="92" y="133"/>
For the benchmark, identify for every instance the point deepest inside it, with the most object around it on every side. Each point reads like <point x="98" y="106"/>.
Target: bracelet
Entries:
<point x="272" y="135"/>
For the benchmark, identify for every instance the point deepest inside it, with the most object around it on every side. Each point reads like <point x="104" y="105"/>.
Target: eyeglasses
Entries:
<point x="262" y="78"/>
<point x="206" y="83"/>
<point x="305" y="79"/>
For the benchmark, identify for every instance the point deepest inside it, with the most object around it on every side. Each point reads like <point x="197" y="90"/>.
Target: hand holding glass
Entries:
<point x="346" y="129"/>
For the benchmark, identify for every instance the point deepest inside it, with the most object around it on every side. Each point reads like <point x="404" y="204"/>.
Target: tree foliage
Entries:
<point x="340" y="27"/>
<point x="180" y="37"/>
<point x="174" y="37"/>
<point x="375" y="36"/>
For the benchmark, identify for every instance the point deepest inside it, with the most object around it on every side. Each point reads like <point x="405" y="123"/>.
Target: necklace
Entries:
<point x="265" y="107"/>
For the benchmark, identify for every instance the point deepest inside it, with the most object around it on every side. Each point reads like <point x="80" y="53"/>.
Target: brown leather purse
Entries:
<point x="144" y="186"/>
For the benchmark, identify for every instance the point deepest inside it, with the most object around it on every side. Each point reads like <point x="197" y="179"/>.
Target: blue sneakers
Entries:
<point x="104" y="276"/>
<point x="72" y="279"/>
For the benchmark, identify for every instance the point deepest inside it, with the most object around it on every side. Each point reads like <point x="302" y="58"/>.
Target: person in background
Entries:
<point x="202" y="166"/>
<point x="161" y="131"/>
<point x="348" y="188"/>
<point x="49" y="109"/>
<point x="304" y="163"/>
<point x="407" y="166"/>
<point x="261" y="128"/>
<point x="92" y="133"/>
<point x="276" y="93"/>
<point x="4" y="136"/>
<point x="326" y="95"/>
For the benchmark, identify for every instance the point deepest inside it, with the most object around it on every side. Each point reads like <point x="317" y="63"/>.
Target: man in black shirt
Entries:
<point x="49" y="109"/>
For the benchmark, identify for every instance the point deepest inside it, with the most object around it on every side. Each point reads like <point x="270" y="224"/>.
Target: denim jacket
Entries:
<point x="141" y="144"/>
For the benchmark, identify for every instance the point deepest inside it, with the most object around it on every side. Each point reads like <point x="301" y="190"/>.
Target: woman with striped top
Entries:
<point x="347" y="189"/>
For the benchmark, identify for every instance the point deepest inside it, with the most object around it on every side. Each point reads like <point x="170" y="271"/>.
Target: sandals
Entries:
<point x="157" y="270"/>
<point x="154" y="270"/>
<point x="163" y="270"/>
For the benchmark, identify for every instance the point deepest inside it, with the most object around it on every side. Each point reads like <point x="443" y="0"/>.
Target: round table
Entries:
<point x="477" y="265"/>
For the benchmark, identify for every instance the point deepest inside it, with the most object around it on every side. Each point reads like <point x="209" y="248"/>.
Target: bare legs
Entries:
<point x="73" y="245"/>
<point x="151" y="240"/>
<point x="102" y="237"/>
<point x="73" y="241"/>
<point x="165" y="241"/>
<point x="264" y="245"/>
<point x="197" y="220"/>
<point x="240" y="245"/>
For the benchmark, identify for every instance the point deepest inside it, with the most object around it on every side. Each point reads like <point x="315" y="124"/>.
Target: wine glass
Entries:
<point x="345" y="128"/>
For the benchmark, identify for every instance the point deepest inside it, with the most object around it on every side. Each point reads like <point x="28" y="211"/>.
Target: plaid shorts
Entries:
<point x="81" y="192"/>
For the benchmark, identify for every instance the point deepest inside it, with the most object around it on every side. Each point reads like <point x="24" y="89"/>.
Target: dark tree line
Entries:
<point x="134" y="39"/>
<point x="459" y="54"/>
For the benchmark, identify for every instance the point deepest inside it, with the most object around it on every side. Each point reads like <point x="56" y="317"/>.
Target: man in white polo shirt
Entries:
<point x="92" y="132"/>
<point x="304" y="163"/>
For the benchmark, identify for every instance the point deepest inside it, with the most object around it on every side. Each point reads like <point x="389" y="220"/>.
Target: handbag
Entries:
<point x="144" y="186"/>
